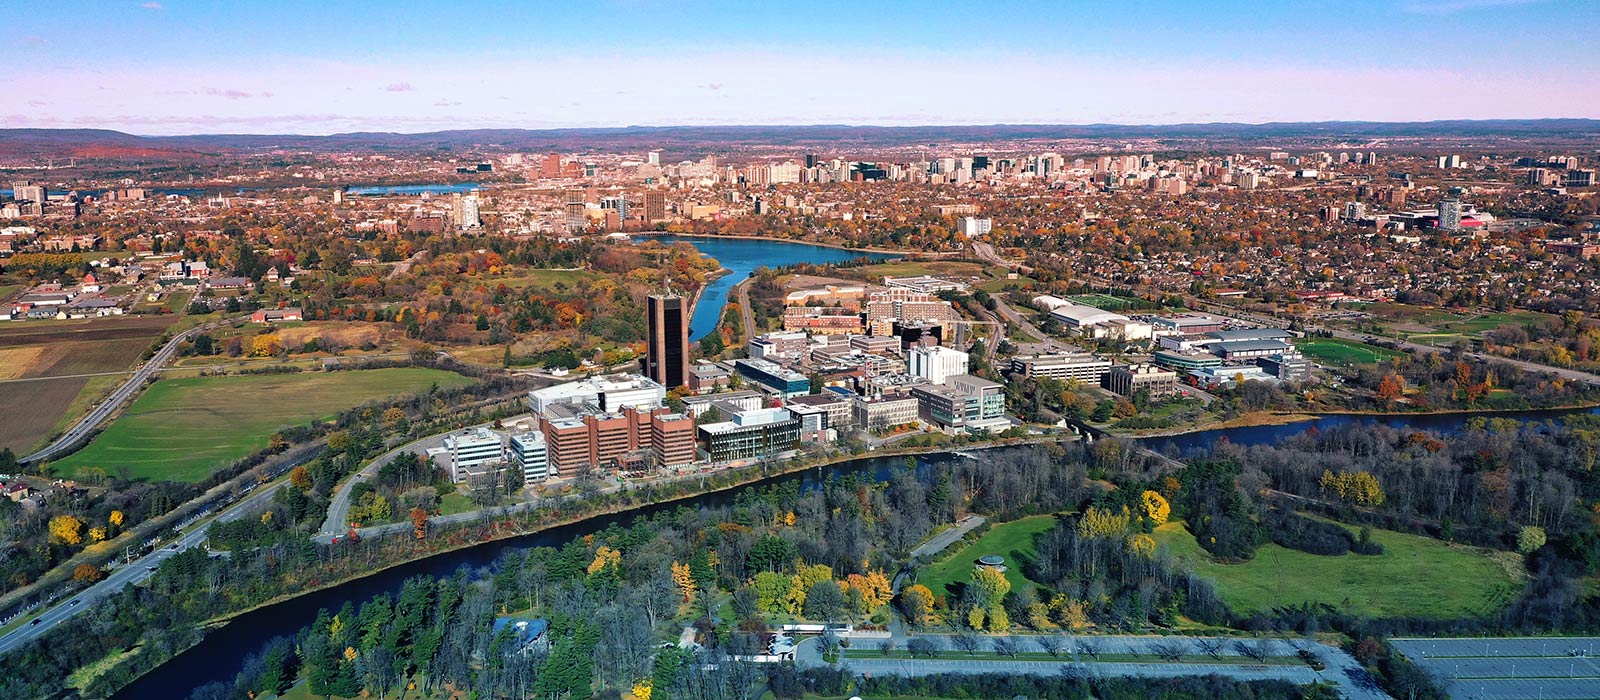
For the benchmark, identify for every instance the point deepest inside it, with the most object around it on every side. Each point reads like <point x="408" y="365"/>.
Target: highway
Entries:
<point x="129" y="573"/>
<point x="105" y="409"/>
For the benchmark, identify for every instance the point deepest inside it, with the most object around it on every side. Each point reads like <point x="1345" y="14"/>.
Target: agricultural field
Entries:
<point x="1415" y="576"/>
<point x="51" y="358"/>
<point x="182" y="429"/>
<point x="1013" y="540"/>
<point x="1337" y="351"/>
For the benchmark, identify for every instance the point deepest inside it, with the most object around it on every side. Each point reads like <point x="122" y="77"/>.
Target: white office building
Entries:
<point x="473" y="452"/>
<point x="528" y="453"/>
<point x="610" y="393"/>
<point x="972" y="226"/>
<point x="936" y="363"/>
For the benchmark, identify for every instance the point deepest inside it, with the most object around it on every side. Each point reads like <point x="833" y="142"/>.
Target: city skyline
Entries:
<point x="164" y="68"/>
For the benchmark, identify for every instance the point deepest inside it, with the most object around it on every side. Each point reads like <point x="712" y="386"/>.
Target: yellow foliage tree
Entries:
<point x="916" y="601"/>
<point x="97" y="534"/>
<point x="874" y="587"/>
<point x="1360" y="488"/>
<point x="393" y="415"/>
<point x="116" y="518"/>
<point x="1103" y="522"/>
<point x="66" y="529"/>
<point x="1142" y="544"/>
<point x="605" y="557"/>
<point x="641" y="690"/>
<point x="684" y="578"/>
<point x="805" y="577"/>
<point x="1156" y="507"/>
<point x="300" y="478"/>
<point x="266" y="345"/>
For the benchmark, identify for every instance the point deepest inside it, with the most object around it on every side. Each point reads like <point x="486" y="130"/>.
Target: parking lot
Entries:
<point x="1536" y="668"/>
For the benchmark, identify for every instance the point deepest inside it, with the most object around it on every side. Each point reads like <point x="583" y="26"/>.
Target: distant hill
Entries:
<point x="97" y="142"/>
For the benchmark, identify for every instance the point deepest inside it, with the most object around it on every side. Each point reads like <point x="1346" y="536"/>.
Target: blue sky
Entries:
<point x="196" y="66"/>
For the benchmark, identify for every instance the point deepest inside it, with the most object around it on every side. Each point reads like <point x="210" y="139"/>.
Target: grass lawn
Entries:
<point x="1012" y="540"/>
<point x="544" y="279"/>
<point x="455" y="502"/>
<point x="182" y="429"/>
<point x="912" y="268"/>
<point x="1416" y="576"/>
<point x="1337" y="351"/>
<point x="1491" y="321"/>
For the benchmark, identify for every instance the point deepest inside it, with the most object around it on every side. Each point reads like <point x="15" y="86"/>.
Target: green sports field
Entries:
<point x="1415" y="576"/>
<point x="1013" y="540"/>
<point x="1336" y="351"/>
<point x="182" y="429"/>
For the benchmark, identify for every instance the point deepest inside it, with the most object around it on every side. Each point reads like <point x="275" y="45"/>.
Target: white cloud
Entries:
<point x="152" y="6"/>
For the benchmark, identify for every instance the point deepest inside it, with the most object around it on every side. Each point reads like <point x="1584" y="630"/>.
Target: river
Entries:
<point x="411" y="190"/>
<point x="223" y="652"/>
<point x="740" y="257"/>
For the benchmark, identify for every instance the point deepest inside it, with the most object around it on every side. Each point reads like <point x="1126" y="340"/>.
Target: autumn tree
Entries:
<point x="916" y="603"/>
<point x="265" y="345"/>
<point x="683" y="578"/>
<point x="66" y="529"/>
<point x="300" y="478"/>
<point x="88" y="573"/>
<point x="1391" y="387"/>
<point x="1155" y="507"/>
<point x="604" y="557"/>
<point x="419" y="523"/>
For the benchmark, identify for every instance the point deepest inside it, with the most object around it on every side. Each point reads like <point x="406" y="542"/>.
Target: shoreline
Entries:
<point x="836" y="246"/>
<point x="1269" y="418"/>
<point x="1248" y="420"/>
<point x="756" y="476"/>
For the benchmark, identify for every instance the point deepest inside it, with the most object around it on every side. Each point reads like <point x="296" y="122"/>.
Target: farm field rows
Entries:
<point x="34" y="349"/>
<point x="1415" y="576"/>
<point x="182" y="429"/>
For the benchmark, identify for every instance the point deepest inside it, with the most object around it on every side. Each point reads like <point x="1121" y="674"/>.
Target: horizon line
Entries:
<point x="820" y="125"/>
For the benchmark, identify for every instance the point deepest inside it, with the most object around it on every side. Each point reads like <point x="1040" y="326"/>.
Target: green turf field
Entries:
<point x="1336" y="351"/>
<point x="182" y="429"/>
<point x="1106" y="301"/>
<point x="1012" y="540"/>
<point x="1415" y="576"/>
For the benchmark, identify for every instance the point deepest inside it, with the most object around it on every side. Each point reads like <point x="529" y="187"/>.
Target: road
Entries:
<point x="128" y="573"/>
<point x="1341" y="669"/>
<point x="130" y="388"/>
<point x="746" y="311"/>
<point x="337" y="521"/>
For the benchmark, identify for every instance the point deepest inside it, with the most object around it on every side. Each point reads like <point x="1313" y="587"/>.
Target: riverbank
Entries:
<point x="520" y="527"/>
<point x="1249" y="420"/>
<point x="1460" y="411"/>
<point x="769" y="239"/>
